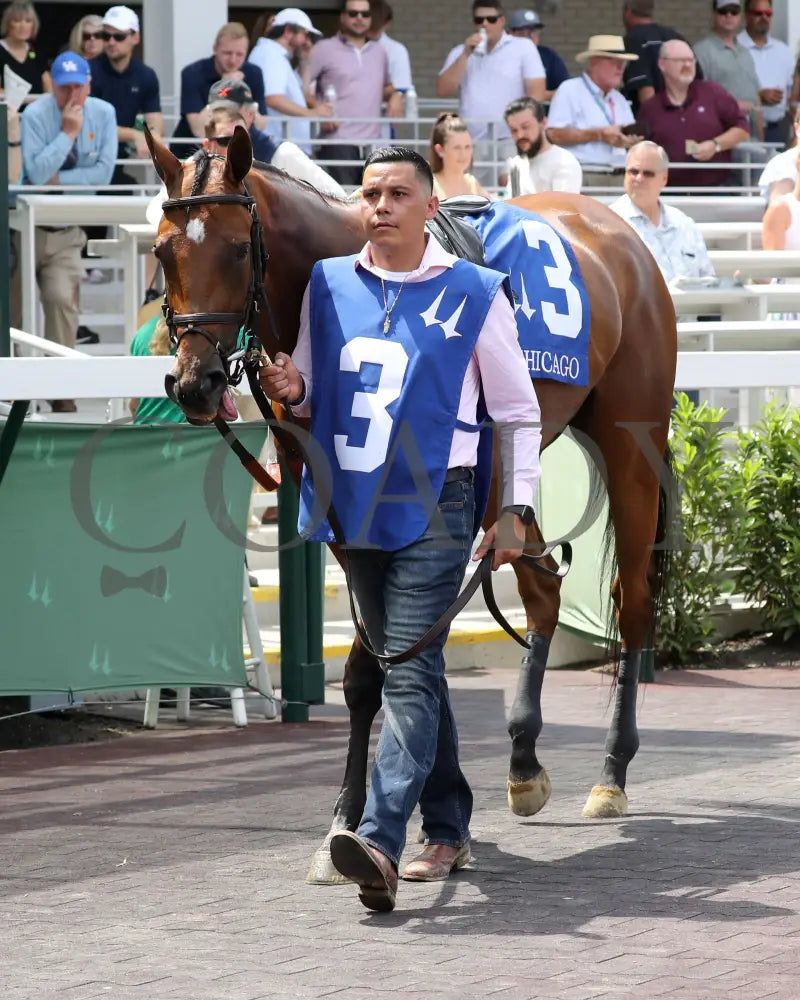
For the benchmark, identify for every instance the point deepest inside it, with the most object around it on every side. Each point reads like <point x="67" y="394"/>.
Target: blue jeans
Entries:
<point x="401" y="594"/>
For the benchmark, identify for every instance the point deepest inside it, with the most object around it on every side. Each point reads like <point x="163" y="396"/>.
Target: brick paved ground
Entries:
<point x="172" y="864"/>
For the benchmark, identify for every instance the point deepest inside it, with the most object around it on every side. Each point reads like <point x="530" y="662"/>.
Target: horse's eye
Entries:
<point x="242" y="250"/>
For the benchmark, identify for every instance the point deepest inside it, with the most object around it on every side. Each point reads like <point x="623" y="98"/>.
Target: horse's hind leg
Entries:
<point x="633" y="492"/>
<point x="528" y="782"/>
<point x="363" y="683"/>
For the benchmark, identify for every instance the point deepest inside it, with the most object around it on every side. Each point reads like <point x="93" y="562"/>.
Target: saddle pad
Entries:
<point x="550" y="300"/>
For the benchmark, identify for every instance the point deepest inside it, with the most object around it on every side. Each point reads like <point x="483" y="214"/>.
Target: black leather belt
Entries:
<point x="459" y="472"/>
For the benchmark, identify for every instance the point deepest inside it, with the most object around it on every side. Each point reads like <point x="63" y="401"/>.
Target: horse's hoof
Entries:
<point x="526" y="798"/>
<point x="606" y="802"/>
<point x="322" y="872"/>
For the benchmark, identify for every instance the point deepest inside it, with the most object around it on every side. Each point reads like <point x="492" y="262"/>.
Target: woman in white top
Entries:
<point x="780" y="174"/>
<point x="780" y="229"/>
<point x="450" y="157"/>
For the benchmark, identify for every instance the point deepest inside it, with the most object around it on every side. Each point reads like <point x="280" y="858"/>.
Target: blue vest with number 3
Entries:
<point x="384" y="406"/>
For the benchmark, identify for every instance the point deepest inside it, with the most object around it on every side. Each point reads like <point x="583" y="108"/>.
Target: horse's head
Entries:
<point x="209" y="244"/>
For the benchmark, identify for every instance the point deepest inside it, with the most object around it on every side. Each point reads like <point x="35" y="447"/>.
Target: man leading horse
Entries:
<point x="395" y="345"/>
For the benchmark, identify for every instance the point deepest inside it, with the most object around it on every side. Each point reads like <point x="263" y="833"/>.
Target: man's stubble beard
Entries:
<point x="534" y="149"/>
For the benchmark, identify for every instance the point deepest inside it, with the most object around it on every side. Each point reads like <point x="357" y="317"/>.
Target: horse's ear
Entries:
<point x="240" y="156"/>
<point x="168" y="167"/>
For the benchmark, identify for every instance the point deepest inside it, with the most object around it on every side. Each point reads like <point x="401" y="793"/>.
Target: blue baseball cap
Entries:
<point x="69" y="67"/>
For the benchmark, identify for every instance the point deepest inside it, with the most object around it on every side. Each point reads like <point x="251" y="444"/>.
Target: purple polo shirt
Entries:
<point x="708" y="111"/>
<point x="358" y="75"/>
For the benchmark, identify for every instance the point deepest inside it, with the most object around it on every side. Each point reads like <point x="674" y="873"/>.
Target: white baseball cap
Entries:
<point x="297" y="18"/>
<point x="121" y="18"/>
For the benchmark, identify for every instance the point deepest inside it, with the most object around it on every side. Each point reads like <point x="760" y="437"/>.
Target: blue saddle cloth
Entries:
<point x="550" y="300"/>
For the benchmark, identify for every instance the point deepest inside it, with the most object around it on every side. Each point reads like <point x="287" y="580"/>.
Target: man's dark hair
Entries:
<point x="402" y="154"/>
<point x="749" y="3"/>
<point x="640" y="8"/>
<point x="525" y="104"/>
<point x="487" y="3"/>
<point x="343" y="7"/>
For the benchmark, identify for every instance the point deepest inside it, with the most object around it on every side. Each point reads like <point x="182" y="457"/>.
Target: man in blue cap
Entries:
<point x="67" y="137"/>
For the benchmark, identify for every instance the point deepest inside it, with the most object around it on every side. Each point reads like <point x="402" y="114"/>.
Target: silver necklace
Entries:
<point x="390" y="309"/>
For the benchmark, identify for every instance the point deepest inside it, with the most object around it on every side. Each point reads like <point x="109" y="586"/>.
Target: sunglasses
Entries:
<point x="729" y="11"/>
<point x="759" y="13"/>
<point x="118" y="36"/>
<point x="359" y="13"/>
<point x="635" y="172"/>
<point x="221" y="140"/>
<point x="92" y="36"/>
<point x="488" y="18"/>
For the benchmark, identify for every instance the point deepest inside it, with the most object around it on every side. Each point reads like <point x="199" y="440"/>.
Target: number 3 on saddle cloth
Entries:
<point x="550" y="300"/>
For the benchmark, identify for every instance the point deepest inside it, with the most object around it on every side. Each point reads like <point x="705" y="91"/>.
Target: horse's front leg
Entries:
<point x="363" y="683"/>
<point x="528" y="781"/>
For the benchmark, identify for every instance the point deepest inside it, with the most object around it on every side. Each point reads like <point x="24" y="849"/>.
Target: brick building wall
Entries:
<point x="430" y="28"/>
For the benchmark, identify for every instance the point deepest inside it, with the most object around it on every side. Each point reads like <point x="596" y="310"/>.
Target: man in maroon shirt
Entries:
<point x="693" y="119"/>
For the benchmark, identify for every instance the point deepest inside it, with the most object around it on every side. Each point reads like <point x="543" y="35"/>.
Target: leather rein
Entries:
<point x="247" y="358"/>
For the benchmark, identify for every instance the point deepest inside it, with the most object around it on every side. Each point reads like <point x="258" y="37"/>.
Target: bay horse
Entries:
<point x="209" y="255"/>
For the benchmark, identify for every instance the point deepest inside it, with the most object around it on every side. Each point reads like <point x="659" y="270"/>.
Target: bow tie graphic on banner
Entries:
<point x="153" y="581"/>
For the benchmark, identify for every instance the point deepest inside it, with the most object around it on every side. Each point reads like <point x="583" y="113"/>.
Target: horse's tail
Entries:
<point x="660" y="562"/>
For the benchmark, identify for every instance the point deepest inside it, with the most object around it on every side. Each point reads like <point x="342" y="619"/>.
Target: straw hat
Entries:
<point x="608" y="47"/>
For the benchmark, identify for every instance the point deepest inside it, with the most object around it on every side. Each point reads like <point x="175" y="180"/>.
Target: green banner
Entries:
<point x="121" y="558"/>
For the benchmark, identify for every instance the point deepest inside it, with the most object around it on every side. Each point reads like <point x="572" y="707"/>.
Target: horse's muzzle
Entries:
<point x="198" y="393"/>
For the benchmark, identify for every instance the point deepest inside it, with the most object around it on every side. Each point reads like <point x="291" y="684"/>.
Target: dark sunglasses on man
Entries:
<point x="487" y="19"/>
<point x="118" y="36"/>
<point x="729" y="11"/>
<point x="221" y="140"/>
<point x="358" y="13"/>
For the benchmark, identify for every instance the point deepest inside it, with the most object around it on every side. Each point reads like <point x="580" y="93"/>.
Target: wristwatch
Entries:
<point x="717" y="146"/>
<point x="525" y="513"/>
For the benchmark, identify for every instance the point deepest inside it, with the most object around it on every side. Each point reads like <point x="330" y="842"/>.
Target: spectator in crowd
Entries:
<point x="355" y="70"/>
<point x="780" y="174"/>
<point x="589" y="114"/>
<point x="68" y="137"/>
<point x="693" y="119"/>
<point x="396" y="52"/>
<point x="225" y="115"/>
<point x="131" y="87"/>
<point x="780" y="229"/>
<point x="526" y="23"/>
<point x="644" y="38"/>
<point x="289" y="37"/>
<point x="774" y="65"/>
<point x="670" y="235"/>
<point x="236" y="96"/>
<point x="488" y="71"/>
<point x="86" y="37"/>
<point x="538" y="165"/>
<point x="14" y="151"/>
<point x="727" y="62"/>
<point x="450" y="157"/>
<point x="19" y="27"/>
<point x="228" y="62"/>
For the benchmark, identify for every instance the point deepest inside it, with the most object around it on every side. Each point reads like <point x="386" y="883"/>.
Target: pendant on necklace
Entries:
<point x="386" y="324"/>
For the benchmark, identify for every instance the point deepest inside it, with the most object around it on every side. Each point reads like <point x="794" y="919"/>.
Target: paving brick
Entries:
<point x="172" y="865"/>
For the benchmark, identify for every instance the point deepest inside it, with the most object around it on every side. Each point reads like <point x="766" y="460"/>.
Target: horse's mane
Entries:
<point x="202" y="161"/>
<point x="277" y="173"/>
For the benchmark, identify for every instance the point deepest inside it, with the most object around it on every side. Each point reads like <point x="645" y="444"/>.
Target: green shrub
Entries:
<point x="711" y="509"/>
<point x="768" y="538"/>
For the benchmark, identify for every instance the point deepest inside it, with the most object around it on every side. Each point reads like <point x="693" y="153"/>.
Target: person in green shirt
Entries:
<point x="152" y="339"/>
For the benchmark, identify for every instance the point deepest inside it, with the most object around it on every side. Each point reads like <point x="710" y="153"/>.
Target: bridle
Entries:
<point x="248" y="344"/>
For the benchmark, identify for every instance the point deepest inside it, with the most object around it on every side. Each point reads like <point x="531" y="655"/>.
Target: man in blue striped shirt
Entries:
<point x="68" y="138"/>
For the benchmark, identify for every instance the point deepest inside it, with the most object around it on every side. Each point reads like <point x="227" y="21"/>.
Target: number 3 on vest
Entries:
<point x="372" y="406"/>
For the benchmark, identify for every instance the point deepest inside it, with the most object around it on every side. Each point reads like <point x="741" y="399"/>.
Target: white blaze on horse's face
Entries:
<point x="196" y="231"/>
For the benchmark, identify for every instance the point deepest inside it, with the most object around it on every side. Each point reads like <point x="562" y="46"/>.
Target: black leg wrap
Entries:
<point x="623" y="736"/>
<point x="525" y="721"/>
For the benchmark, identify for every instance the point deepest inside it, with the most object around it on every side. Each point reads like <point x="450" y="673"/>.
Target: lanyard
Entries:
<point x="608" y="110"/>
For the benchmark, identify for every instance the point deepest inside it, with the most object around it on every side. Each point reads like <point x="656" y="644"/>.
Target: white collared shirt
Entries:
<point x="274" y="61"/>
<point x="775" y="68"/>
<point x="579" y="103"/>
<point x="676" y="242"/>
<point x="492" y="81"/>
<point x="497" y="365"/>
